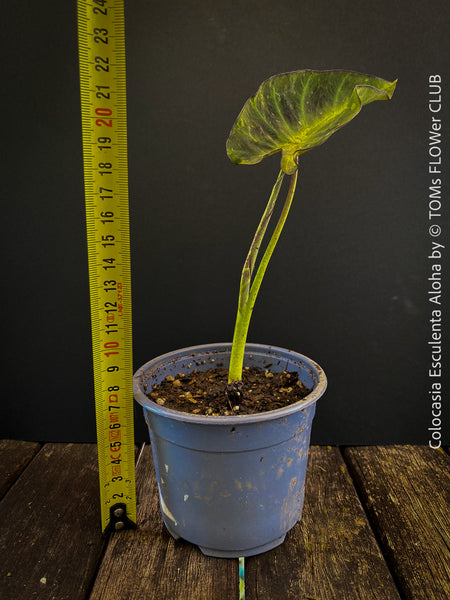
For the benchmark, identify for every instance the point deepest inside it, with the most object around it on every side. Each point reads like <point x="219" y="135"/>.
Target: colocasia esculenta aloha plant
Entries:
<point x="290" y="113"/>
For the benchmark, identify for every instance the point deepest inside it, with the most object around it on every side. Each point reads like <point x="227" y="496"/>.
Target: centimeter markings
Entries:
<point x="101" y="37"/>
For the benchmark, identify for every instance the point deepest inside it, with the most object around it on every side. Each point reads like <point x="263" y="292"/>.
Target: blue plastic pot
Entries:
<point x="232" y="485"/>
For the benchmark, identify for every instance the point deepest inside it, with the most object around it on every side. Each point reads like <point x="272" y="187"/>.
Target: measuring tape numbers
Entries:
<point x="101" y="37"/>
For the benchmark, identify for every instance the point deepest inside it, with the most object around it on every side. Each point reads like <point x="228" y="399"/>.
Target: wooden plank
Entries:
<point x="149" y="564"/>
<point x="52" y="544"/>
<point x="332" y="553"/>
<point x="407" y="493"/>
<point x="14" y="457"/>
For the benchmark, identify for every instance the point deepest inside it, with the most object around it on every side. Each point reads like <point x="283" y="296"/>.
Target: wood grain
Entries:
<point x="332" y="553"/>
<point x="14" y="457"/>
<point x="407" y="493"/>
<point x="149" y="563"/>
<point x="52" y="543"/>
<point x="51" y="546"/>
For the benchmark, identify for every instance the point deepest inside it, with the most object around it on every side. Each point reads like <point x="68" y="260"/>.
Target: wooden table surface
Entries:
<point x="375" y="526"/>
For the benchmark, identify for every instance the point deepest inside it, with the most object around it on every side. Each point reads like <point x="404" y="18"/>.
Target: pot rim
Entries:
<point x="277" y="413"/>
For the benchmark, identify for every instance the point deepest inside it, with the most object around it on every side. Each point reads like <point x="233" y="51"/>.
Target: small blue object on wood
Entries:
<point x="241" y="579"/>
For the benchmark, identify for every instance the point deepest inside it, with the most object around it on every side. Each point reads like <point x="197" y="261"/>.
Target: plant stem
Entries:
<point x="247" y="293"/>
<point x="249" y="264"/>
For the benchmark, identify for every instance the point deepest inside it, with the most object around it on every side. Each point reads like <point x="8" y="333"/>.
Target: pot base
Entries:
<point x="217" y="553"/>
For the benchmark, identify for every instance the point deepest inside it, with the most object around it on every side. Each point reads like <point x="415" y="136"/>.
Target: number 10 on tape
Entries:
<point x="101" y="37"/>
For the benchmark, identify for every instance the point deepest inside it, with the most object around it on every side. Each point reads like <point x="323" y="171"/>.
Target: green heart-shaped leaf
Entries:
<point x="294" y="112"/>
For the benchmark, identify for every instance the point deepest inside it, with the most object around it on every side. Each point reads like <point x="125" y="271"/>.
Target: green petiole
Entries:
<point x="248" y="290"/>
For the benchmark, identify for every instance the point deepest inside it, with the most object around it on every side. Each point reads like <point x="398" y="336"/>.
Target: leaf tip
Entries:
<point x="391" y="89"/>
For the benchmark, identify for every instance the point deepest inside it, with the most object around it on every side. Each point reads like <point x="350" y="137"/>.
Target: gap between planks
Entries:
<point x="406" y="492"/>
<point x="50" y="542"/>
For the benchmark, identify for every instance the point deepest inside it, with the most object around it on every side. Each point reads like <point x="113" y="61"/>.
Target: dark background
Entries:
<point x="347" y="284"/>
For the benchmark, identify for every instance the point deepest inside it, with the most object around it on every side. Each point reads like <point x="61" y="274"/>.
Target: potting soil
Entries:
<point x="205" y="392"/>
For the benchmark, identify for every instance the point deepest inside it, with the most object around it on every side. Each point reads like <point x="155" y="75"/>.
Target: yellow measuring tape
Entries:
<point x="101" y="37"/>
